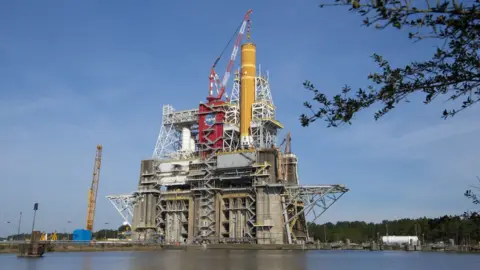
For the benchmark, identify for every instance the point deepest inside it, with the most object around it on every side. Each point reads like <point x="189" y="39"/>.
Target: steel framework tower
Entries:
<point x="202" y="185"/>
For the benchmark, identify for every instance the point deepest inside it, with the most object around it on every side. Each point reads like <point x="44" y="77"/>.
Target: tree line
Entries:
<point x="100" y="234"/>
<point x="463" y="229"/>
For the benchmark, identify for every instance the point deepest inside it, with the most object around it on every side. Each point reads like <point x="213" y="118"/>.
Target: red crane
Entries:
<point x="213" y="78"/>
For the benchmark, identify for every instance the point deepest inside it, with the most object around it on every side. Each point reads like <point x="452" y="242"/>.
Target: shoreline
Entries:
<point x="106" y="247"/>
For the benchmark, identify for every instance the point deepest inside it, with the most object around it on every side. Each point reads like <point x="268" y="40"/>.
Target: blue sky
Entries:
<point x="78" y="73"/>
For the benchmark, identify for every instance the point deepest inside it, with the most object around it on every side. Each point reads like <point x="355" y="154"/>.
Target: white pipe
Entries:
<point x="185" y="139"/>
<point x="192" y="145"/>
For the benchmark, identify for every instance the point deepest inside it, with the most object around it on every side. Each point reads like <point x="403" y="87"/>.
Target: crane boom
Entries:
<point x="92" y="192"/>
<point x="288" y="144"/>
<point x="214" y="76"/>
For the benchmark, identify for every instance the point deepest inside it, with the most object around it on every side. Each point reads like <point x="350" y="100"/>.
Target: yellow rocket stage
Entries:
<point x="247" y="92"/>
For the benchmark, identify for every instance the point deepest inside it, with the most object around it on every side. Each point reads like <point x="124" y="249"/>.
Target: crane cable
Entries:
<point x="228" y="44"/>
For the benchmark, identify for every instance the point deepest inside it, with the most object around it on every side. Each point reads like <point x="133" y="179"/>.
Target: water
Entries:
<point x="250" y="260"/>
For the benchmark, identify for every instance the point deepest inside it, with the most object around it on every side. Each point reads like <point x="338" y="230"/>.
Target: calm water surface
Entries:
<point x="233" y="259"/>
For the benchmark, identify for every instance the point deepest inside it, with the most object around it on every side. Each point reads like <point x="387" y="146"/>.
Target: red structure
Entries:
<point x="211" y="115"/>
<point x="210" y="127"/>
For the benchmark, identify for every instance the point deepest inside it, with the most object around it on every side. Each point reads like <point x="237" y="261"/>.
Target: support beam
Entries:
<point x="315" y="199"/>
<point x="124" y="206"/>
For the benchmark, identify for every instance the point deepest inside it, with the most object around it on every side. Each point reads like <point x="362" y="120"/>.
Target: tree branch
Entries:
<point x="454" y="68"/>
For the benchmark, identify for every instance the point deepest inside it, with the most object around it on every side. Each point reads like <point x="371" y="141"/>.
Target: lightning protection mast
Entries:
<point x="92" y="192"/>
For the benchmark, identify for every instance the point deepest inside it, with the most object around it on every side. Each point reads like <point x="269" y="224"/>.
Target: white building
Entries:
<point x="399" y="240"/>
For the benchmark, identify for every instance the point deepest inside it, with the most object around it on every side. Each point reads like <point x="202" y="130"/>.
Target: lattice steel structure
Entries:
<point x="124" y="206"/>
<point x="305" y="200"/>
<point x="235" y="96"/>
<point x="202" y="185"/>
<point x="264" y="126"/>
<point x="169" y="142"/>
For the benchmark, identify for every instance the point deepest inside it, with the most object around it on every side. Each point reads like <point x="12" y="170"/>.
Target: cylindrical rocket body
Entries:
<point x="185" y="139"/>
<point x="247" y="91"/>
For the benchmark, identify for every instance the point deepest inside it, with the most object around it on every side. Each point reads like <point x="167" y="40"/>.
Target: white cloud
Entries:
<point x="406" y="138"/>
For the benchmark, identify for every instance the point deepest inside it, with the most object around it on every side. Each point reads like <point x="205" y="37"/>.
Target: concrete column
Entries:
<point x="238" y="218"/>
<point x="191" y="218"/>
<point x="218" y="211"/>
<point x="275" y="213"/>
<point x="260" y="202"/>
<point x="231" y="225"/>
<point x="151" y="213"/>
<point x="196" y="215"/>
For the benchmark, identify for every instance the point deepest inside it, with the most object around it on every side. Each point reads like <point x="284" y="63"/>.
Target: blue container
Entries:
<point x="82" y="235"/>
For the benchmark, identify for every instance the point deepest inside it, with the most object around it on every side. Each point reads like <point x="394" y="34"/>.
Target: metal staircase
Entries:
<point x="206" y="185"/>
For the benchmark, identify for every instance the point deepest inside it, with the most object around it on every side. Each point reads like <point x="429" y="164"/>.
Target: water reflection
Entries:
<point x="242" y="259"/>
<point x="30" y="264"/>
<point x="87" y="263"/>
<point x="219" y="260"/>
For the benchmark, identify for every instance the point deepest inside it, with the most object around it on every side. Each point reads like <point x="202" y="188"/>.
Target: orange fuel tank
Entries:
<point x="247" y="92"/>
